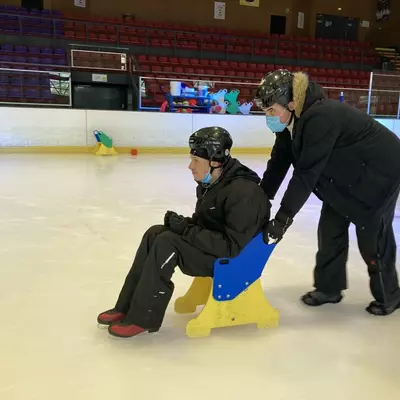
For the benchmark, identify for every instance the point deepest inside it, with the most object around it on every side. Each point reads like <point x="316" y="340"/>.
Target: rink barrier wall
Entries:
<point x="49" y="130"/>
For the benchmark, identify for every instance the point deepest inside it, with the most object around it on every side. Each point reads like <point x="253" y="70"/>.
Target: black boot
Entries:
<point x="381" y="309"/>
<point x="316" y="298"/>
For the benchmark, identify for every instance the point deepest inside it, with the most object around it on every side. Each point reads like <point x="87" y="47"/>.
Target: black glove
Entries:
<point x="166" y="217"/>
<point x="276" y="228"/>
<point x="177" y="223"/>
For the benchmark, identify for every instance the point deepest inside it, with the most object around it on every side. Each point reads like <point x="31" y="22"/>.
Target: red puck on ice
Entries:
<point x="134" y="152"/>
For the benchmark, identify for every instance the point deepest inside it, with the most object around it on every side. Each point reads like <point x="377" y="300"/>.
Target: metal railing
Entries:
<point x="377" y="100"/>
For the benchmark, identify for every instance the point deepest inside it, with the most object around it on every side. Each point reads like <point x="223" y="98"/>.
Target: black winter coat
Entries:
<point x="344" y="156"/>
<point x="229" y="213"/>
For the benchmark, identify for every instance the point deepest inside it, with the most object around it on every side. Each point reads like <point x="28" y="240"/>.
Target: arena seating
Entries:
<point x="20" y="79"/>
<point x="31" y="57"/>
<point x="30" y="88"/>
<point x="158" y="67"/>
<point x="34" y="22"/>
<point x="140" y="33"/>
<point x="241" y="71"/>
<point x="277" y="45"/>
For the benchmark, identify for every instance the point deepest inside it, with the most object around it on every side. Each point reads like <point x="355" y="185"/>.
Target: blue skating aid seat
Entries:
<point x="234" y="296"/>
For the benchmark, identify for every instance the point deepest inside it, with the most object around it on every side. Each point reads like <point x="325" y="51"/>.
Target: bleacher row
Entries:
<point x="139" y="33"/>
<point x="240" y="71"/>
<point x="14" y="10"/>
<point x="11" y="56"/>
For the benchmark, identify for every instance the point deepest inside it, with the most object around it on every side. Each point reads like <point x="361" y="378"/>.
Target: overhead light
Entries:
<point x="339" y="8"/>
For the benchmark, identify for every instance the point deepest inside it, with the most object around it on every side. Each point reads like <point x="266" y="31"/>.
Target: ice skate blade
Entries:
<point x="114" y="336"/>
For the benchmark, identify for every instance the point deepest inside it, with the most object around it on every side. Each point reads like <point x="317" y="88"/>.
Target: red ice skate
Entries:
<point x="110" y="316"/>
<point x="126" y="330"/>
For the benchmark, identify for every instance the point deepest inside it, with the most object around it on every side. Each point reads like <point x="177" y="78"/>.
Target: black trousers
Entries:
<point x="148" y="287"/>
<point x="377" y="247"/>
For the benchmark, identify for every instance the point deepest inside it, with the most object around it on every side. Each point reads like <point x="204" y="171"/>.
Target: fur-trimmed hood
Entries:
<point x="305" y="93"/>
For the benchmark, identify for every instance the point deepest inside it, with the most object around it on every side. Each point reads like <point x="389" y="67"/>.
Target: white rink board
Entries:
<point x="55" y="127"/>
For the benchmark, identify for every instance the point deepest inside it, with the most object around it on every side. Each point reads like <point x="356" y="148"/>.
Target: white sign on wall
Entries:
<point x="300" y="20"/>
<point x="219" y="10"/>
<point x="99" y="78"/>
<point x="80" y="3"/>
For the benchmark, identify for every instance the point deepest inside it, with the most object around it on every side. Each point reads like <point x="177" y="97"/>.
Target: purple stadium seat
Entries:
<point x="33" y="60"/>
<point x="60" y="61"/>
<point x="45" y="12"/>
<point x="3" y="91"/>
<point x="46" y="93"/>
<point x="3" y="80"/>
<point x="26" y="29"/>
<point x="20" y="49"/>
<point x="32" y="81"/>
<point x="10" y="28"/>
<point x="46" y="31"/>
<point x="59" y="52"/>
<point x="3" y="7"/>
<point x="16" y="80"/>
<point x="30" y="21"/>
<point x="7" y="48"/>
<point x="32" y="93"/>
<point x="33" y="50"/>
<point x="15" y="92"/>
<point x="34" y="11"/>
<point x="46" y="51"/>
<point x="11" y="8"/>
<point x="22" y="10"/>
<point x="19" y="59"/>
<point x="5" y="58"/>
<point x="44" y="80"/>
<point x="46" y="23"/>
<point x="46" y="60"/>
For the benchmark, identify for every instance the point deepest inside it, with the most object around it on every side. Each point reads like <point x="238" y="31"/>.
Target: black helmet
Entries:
<point x="276" y="87"/>
<point x="212" y="143"/>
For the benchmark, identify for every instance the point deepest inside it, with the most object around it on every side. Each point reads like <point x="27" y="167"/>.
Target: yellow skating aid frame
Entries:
<point x="249" y="307"/>
<point x="101" y="150"/>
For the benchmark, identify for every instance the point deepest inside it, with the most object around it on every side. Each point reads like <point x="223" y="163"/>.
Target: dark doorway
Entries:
<point x="336" y="27"/>
<point x="278" y="25"/>
<point x="100" y="97"/>
<point x="29" y="4"/>
<point x="351" y="31"/>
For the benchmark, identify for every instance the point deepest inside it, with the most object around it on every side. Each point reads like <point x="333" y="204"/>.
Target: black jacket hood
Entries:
<point x="234" y="169"/>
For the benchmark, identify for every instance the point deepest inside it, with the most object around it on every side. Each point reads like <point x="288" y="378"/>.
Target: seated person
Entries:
<point x="231" y="209"/>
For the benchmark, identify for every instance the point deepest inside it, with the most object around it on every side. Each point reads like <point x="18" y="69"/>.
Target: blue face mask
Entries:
<point x="207" y="178"/>
<point x="274" y="123"/>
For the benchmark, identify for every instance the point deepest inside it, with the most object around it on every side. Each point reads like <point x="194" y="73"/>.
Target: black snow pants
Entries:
<point x="377" y="247"/>
<point x="148" y="287"/>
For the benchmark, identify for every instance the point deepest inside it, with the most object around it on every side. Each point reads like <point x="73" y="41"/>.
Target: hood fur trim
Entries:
<point x="300" y="86"/>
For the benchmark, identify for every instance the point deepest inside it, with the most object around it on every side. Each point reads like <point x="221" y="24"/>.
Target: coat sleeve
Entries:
<point x="245" y="213"/>
<point x="320" y="136"/>
<point x="278" y="165"/>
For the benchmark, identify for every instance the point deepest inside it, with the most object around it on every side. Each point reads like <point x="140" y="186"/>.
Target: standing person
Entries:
<point x="351" y="163"/>
<point x="231" y="209"/>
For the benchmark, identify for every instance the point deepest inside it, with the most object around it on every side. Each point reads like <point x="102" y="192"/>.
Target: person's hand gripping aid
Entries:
<point x="176" y="223"/>
<point x="276" y="228"/>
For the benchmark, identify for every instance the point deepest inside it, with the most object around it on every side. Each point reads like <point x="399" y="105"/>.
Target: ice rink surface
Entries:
<point x="69" y="229"/>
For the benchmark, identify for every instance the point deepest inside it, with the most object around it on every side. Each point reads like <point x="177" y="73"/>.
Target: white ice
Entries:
<point x="69" y="229"/>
